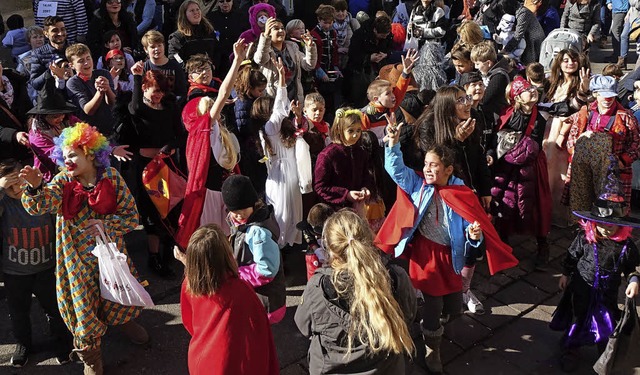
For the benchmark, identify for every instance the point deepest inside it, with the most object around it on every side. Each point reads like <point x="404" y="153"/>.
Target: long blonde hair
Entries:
<point x="230" y="154"/>
<point x="360" y="277"/>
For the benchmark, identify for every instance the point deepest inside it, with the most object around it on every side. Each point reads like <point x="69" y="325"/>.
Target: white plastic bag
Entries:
<point x="411" y="43"/>
<point x="303" y="161"/>
<point x="117" y="284"/>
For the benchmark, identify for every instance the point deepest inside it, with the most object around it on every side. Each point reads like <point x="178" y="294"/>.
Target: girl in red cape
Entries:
<point x="207" y="138"/>
<point x="230" y="333"/>
<point x="439" y="224"/>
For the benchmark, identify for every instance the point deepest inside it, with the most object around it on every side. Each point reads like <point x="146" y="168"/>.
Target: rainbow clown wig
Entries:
<point x="85" y="137"/>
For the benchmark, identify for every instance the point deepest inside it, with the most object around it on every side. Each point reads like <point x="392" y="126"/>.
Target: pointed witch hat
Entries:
<point x="610" y="206"/>
<point x="51" y="102"/>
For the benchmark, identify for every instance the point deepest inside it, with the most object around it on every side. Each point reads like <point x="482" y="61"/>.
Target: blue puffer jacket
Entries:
<point x="242" y="109"/>
<point x="421" y="194"/>
<point x="41" y="57"/>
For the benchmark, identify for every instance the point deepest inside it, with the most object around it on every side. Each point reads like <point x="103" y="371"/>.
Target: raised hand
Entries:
<point x="240" y="49"/>
<point x="464" y="129"/>
<point x="393" y="130"/>
<point x="122" y="153"/>
<point x="271" y="22"/>
<point x="137" y="69"/>
<point x="585" y="77"/>
<point x="31" y="175"/>
<point x="114" y="72"/>
<point x="296" y="108"/>
<point x="307" y="38"/>
<point x="409" y="61"/>
<point x="279" y="65"/>
<point x="9" y="180"/>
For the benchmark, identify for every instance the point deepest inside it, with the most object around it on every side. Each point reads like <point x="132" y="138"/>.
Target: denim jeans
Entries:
<point x="624" y="38"/>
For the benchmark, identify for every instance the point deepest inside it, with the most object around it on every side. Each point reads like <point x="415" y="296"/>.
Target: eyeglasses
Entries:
<point x="118" y="58"/>
<point x="114" y="1"/>
<point x="464" y="100"/>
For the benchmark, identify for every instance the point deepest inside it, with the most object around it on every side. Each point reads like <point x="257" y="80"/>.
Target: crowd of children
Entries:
<point x="425" y="130"/>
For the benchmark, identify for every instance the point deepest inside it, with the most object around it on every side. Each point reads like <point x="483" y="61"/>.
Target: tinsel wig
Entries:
<point x="85" y="137"/>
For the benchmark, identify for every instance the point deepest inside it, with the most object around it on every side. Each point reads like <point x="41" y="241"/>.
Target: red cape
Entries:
<point x="462" y="201"/>
<point x="198" y="154"/>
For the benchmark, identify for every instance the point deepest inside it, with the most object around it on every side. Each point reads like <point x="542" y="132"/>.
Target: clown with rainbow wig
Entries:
<point x="85" y="194"/>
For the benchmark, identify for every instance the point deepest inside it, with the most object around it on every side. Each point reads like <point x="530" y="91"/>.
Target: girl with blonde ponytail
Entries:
<point x="361" y="305"/>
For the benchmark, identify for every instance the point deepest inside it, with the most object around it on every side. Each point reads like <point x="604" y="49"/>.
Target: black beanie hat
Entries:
<point x="238" y="193"/>
<point x="470" y="77"/>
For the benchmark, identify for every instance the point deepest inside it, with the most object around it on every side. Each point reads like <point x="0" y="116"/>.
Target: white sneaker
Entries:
<point x="473" y="304"/>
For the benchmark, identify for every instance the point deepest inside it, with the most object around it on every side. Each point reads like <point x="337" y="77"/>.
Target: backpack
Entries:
<point x="556" y="41"/>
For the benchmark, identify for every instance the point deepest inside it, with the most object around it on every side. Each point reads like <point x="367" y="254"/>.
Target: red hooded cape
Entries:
<point x="462" y="201"/>
<point x="198" y="155"/>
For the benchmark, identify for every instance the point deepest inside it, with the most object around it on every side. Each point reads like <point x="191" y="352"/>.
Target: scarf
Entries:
<point x="322" y="127"/>
<point x="193" y="86"/>
<point x="101" y="199"/>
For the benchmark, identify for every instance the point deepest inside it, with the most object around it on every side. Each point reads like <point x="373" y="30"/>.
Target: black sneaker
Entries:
<point x="20" y="356"/>
<point x="160" y="268"/>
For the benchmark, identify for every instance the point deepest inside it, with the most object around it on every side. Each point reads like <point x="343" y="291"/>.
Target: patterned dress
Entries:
<point x="83" y="310"/>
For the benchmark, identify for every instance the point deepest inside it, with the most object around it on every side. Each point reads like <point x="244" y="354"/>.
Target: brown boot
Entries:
<point x="432" y="341"/>
<point x="92" y="359"/>
<point x="622" y="62"/>
<point x="135" y="332"/>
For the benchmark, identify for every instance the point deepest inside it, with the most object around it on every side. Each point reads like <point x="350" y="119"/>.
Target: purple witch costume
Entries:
<point x="588" y="310"/>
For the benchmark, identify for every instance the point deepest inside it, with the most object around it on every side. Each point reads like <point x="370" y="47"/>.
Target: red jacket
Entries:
<point x="230" y="332"/>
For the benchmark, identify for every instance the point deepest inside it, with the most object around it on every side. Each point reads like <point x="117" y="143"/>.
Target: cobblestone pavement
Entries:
<point x="511" y="338"/>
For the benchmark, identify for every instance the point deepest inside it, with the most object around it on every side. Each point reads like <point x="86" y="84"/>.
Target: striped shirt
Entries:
<point x="73" y="14"/>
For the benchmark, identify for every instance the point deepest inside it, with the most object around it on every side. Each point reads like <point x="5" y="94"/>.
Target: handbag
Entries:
<point x="117" y="284"/>
<point x="165" y="186"/>
<point x="622" y="354"/>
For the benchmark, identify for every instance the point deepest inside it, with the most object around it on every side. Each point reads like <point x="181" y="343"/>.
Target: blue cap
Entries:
<point x="605" y="86"/>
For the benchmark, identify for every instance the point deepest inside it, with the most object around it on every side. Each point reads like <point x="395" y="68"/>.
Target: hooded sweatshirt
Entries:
<point x="254" y="32"/>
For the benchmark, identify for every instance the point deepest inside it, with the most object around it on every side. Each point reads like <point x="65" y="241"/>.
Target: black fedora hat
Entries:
<point x="610" y="206"/>
<point x="51" y="102"/>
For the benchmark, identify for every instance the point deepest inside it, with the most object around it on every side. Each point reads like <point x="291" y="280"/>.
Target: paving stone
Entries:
<point x="557" y="251"/>
<point x="549" y="306"/>
<point x="527" y="264"/>
<point x="521" y="296"/>
<point x="295" y="369"/>
<point x="287" y="331"/>
<point x="487" y="288"/>
<point x="465" y="331"/>
<point x="481" y="360"/>
<point x="449" y="350"/>
<point x="564" y="242"/>
<point x="527" y="341"/>
<point x="515" y="272"/>
<point x="500" y="279"/>
<point x="496" y="314"/>
<point x="547" y="281"/>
